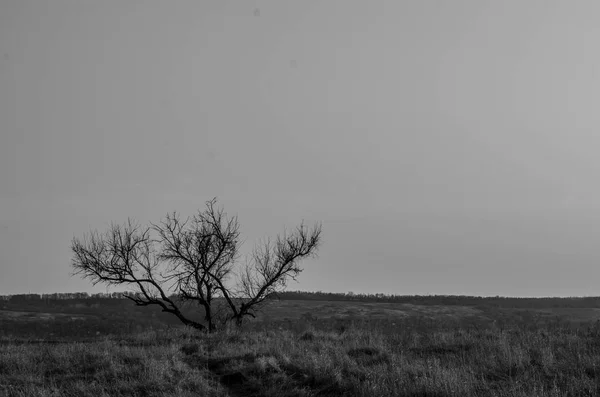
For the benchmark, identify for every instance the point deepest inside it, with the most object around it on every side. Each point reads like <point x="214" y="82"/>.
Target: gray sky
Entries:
<point x="448" y="147"/>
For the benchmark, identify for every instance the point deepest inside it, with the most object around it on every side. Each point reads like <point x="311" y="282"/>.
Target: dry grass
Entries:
<point x="358" y="360"/>
<point x="103" y="368"/>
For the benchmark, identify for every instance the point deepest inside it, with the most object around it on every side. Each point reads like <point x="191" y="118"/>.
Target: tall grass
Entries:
<point x="361" y="359"/>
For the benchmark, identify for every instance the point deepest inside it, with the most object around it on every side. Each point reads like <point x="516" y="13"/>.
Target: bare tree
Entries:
<point x="271" y="266"/>
<point x="176" y="262"/>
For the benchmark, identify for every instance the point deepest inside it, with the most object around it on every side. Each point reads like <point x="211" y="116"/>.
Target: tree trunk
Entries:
<point x="239" y="320"/>
<point x="208" y="317"/>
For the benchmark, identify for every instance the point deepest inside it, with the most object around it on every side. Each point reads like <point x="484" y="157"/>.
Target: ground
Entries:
<point x="305" y="348"/>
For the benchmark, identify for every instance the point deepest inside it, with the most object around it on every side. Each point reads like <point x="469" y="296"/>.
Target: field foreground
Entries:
<point x="412" y="346"/>
<point x="357" y="359"/>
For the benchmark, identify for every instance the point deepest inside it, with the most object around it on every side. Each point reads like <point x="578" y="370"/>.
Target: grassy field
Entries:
<point x="309" y="348"/>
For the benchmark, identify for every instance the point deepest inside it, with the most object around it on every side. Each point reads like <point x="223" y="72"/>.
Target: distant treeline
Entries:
<point x="62" y="296"/>
<point x="460" y="300"/>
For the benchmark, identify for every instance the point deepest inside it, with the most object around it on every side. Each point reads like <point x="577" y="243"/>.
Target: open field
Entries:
<point x="305" y="348"/>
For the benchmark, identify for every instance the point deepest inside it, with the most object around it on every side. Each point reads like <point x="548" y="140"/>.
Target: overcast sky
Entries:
<point x="448" y="147"/>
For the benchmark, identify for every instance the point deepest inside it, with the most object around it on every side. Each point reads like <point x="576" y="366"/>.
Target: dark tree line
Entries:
<point x="462" y="300"/>
<point x="465" y="300"/>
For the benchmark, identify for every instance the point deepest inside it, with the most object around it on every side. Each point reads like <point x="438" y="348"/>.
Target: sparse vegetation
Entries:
<point x="434" y="351"/>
